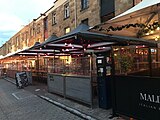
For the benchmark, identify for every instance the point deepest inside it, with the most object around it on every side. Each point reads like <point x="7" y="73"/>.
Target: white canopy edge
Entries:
<point x="140" y="6"/>
<point x="101" y="44"/>
<point x="13" y="53"/>
<point x="44" y="50"/>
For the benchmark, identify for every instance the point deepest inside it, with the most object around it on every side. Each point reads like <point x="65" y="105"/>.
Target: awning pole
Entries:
<point x="54" y="62"/>
<point x="150" y="61"/>
<point x="91" y="77"/>
<point x="113" y="86"/>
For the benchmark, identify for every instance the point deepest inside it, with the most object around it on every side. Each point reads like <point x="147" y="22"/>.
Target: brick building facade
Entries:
<point x="123" y="5"/>
<point x="69" y="15"/>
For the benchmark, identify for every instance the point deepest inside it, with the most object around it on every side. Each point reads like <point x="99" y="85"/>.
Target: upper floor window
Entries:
<point x="38" y="28"/>
<point x="18" y="41"/>
<point x="66" y="10"/>
<point x="22" y="36"/>
<point x="85" y="21"/>
<point x="26" y="38"/>
<point x="84" y="4"/>
<point x="67" y="30"/>
<point x="53" y="18"/>
<point x="31" y="31"/>
<point x="39" y="40"/>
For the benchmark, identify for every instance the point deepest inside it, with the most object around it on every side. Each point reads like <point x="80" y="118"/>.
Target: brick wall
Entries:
<point x="122" y="5"/>
<point x="92" y="13"/>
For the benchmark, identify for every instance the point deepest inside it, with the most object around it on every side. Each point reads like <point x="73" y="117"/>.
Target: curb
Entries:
<point x="69" y="109"/>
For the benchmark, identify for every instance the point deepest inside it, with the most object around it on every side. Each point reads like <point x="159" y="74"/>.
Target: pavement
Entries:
<point x="78" y="109"/>
<point x="20" y="104"/>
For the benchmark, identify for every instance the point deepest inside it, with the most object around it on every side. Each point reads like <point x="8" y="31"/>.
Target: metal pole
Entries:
<point x="54" y="62"/>
<point x="91" y="80"/>
<point x="38" y="66"/>
<point x="150" y="61"/>
<point x="113" y="87"/>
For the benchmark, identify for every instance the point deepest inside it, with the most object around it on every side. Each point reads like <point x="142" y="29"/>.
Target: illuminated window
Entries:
<point x="67" y="30"/>
<point x="17" y="41"/>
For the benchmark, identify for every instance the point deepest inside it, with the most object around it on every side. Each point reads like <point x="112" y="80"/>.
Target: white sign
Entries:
<point x="99" y="61"/>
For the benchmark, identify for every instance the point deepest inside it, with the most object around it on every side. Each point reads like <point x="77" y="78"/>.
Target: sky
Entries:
<point x="14" y="14"/>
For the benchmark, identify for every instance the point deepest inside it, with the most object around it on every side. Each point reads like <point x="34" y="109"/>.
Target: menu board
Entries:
<point x="21" y="79"/>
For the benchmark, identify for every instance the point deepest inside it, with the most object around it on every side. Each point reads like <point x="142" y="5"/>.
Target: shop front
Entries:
<point x="81" y="64"/>
<point x="135" y="85"/>
<point x="135" y="82"/>
<point x="82" y="67"/>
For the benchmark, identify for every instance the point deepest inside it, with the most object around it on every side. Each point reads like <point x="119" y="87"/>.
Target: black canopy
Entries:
<point x="81" y="39"/>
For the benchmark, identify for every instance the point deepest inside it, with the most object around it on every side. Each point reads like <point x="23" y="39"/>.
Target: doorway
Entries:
<point x="104" y="71"/>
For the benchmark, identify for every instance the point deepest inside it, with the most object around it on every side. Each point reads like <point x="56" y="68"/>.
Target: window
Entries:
<point x="39" y="40"/>
<point x="53" y="18"/>
<point x="67" y="30"/>
<point x="38" y="28"/>
<point x="84" y="4"/>
<point x="85" y="21"/>
<point x="30" y="32"/>
<point x="66" y="10"/>
<point x="18" y="41"/>
<point x="26" y="38"/>
<point x="22" y="36"/>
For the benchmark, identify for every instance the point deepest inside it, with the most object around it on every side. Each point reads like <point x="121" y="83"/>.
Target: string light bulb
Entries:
<point x="156" y="39"/>
<point x="151" y="32"/>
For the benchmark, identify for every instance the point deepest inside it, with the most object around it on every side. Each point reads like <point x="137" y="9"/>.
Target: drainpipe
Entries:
<point x="75" y="13"/>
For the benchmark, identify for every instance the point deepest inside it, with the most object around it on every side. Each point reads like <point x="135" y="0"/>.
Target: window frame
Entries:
<point x="85" y="21"/>
<point x="66" y="29"/>
<point x="84" y="4"/>
<point x="38" y="29"/>
<point x="66" y="11"/>
<point x="54" y="18"/>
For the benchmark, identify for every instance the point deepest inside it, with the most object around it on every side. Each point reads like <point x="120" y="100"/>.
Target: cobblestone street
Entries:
<point x="19" y="104"/>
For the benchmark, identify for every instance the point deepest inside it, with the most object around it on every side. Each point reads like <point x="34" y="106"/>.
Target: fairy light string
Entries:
<point x="145" y="29"/>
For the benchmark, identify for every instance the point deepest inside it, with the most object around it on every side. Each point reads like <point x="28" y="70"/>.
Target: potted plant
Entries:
<point x="126" y="62"/>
